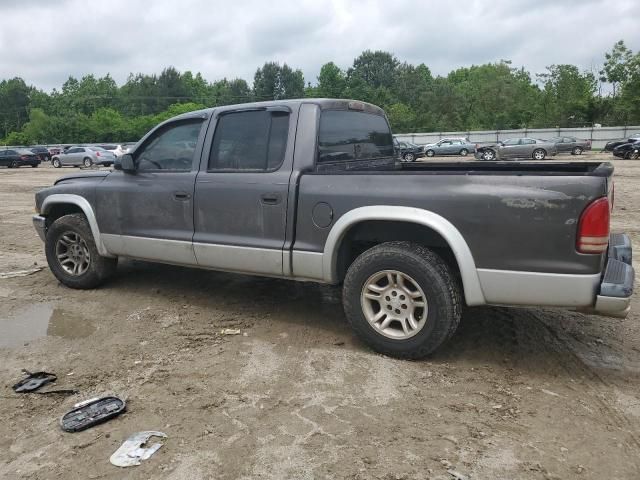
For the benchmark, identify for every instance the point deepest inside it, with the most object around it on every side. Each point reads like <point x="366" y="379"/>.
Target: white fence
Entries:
<point x="598" y="135"/>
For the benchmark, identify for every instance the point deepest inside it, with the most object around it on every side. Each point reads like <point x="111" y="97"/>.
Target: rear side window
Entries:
<point x="346" y="136"/>
<point x="249" y="141"/>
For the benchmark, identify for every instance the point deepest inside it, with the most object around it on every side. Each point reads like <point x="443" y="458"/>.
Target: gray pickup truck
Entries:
<point x="310" y="190"/>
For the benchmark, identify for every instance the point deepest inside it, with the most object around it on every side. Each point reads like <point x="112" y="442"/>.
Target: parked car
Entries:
<point x="411" y="244"/>
<point x="408" y="152"/>
<point x="42" y="152"/>
<point x="83" y="156"/>
<point x="517" y="148"/>
<point x="55" y="150"/>
<point x="18" y="157"/>
<point x="609" y="146"/>
<point x="450" y="146"/>
<point x="628" y="151"/>
<point x="572" y="145"/>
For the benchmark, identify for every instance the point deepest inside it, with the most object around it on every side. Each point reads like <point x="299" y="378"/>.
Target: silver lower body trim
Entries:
<point x="155" y="249"/>
<point x="507" y="287"/>
<point x="39" y="223"/>
<point x="257" y="261"/>
<point x="307" y="265"/>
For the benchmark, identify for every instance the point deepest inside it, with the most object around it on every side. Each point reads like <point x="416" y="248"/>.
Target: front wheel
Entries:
<point x="14" y="164"/>
<point x="409" y="157"/>
<point x="430" y="153"/>
<point x="539" y="154"/>
<point x="464" y="152"/>
<point x="56" y="163"/>
<point x="488" y="155"/>
<point x="72" y="254"/>
<point x="401" y="299"/>
<point x="576" y="151"/>
<point x="35" y="165"/>
<point x="87" y="162"/>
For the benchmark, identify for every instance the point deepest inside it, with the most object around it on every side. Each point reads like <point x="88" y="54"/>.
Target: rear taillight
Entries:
<point x="24" y="157"/>
<point x="593" y="227"/>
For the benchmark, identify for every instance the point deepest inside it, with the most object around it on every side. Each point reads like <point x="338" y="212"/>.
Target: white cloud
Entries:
<point x="46" y="41"/>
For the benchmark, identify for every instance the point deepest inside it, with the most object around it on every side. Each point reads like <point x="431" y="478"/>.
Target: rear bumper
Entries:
<point x="39" y="223"/>
<point x="616" y="286"/>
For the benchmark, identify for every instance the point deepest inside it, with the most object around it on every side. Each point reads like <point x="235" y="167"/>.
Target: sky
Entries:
<point x="46" y="41"/>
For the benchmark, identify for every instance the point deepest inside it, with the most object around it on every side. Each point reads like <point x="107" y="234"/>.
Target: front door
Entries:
<point x="148" y="213"/>
<point x="241" y="191"/>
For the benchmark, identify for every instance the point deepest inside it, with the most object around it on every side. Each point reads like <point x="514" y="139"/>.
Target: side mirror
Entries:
<point x="124" y="163"/>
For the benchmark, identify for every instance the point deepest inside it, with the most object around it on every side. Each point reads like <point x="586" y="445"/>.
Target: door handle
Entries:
<point x="181" y="196"/>
<point x="270" y="198"/>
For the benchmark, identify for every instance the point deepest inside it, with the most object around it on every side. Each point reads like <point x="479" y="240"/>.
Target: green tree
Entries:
<point x="616" y="69"/>
<point x="331" y="81"/>
<point x="275" y="82"/>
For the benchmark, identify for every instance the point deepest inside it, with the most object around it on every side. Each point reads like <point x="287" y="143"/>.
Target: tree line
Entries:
<point x="480" y="97"/>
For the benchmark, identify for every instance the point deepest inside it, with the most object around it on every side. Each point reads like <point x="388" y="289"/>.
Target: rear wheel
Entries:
<point x="576" y="151"/>
<point x="87" y="162"/>
<point x="401" y="299"/>
<point x="464" y="152"/>
<point x="72" y="254"/>
<point x="539" y="154"/>
<point x="35" y="165"/>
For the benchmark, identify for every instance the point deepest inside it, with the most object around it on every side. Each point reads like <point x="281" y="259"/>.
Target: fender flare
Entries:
<point x="468" y="271"/>
<point x="87" y="209"/>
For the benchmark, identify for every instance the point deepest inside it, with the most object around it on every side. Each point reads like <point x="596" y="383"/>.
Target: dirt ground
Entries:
<point x="516" y="394"/>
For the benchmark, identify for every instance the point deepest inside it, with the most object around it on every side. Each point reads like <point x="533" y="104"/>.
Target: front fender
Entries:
<point x="87" y="209"/>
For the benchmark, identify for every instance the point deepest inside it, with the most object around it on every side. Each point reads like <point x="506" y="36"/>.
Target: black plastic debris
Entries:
<point x="92" y="412"/>
<point x="37" y="380"/>
<point x="34" y="381"/>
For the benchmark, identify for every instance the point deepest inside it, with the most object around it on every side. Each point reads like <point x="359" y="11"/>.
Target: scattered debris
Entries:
<point x="131" y="452"/>
<point x="230" y="331"/>
<point x="457" y="475"/>
<point x="36" y="380"/>
<point x="91" y="412"/>
<point x="549" y="392"/>
<point x="20" y="273"/>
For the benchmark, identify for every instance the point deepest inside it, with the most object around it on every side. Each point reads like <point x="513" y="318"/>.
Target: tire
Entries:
<point x="430" y="153"/>
<point x="626" y="156"/>
<point x="433" y="280"/>
<point x="56" y="162"/>
<point x="14" y="164"/>
<point x="464" y="152"/>
<point x="409" y="157"/>
<point x="87" y="162"/>
<point x="97" y="269"/>
<point x="539" y="154"/>
<point x="576" y="151"/>
<point x="488" y="155"/>
<point x="634" y="155"/>
<point x="35" y="165"/>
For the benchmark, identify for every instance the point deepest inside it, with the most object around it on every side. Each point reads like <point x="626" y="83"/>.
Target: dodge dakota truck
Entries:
<point x="311" y="190"/>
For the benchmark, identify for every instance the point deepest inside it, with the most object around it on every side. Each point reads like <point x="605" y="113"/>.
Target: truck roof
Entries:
<point x="323" y="103"/>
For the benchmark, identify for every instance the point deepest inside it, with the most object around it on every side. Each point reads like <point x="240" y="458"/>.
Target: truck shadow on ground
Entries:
<point x="530" y="339"/>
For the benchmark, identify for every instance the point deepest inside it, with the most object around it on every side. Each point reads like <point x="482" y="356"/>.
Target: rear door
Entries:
<point x="242" y="188"/>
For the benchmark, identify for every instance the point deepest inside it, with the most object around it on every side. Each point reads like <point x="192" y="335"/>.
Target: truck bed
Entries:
<point x="519" y="168"/>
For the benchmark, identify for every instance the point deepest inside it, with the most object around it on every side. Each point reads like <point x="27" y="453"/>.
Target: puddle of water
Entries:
<point x="41" y="320"/>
